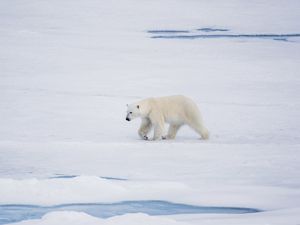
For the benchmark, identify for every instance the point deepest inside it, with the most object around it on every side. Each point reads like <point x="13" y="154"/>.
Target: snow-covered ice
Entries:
<point x="68" y="69"/>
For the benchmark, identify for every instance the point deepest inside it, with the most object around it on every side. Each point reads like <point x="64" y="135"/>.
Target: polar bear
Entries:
<point x="175" y="110"/>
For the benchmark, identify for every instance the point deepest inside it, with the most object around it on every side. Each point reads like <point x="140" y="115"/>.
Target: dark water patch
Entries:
<point x="167" y="31"/>
<point x="280" y="39"/>
<point x="233" y="36"/>
<point x="16" y="213"/>
<point x="64" y="176"/>
<point x="114" y="178"/>
<point x="208" y="29"/>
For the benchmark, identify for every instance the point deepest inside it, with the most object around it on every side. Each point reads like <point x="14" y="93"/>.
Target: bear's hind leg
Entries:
<point x="173" y="128"/>
<point x="145" y="128"/>
<point x="200" y="129"/>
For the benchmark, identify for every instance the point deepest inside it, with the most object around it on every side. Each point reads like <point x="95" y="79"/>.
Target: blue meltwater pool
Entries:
<point x="15" y="213"/>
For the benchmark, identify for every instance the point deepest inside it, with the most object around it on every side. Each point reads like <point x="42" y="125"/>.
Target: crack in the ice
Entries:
<point x="280" y="37"/>
<point x="180" y="34"/>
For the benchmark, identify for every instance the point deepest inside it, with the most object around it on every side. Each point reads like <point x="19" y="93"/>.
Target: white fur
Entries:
<point x="176" y="110"/>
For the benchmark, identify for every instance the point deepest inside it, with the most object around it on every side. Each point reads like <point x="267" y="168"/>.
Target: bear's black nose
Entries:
<point x="127" y="119"/>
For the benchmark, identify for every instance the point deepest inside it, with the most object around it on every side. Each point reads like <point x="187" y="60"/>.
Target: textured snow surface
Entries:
<point x="68" y="69"/>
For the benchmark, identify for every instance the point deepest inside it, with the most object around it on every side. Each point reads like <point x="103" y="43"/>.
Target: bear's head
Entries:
<point x="133" y="111"/>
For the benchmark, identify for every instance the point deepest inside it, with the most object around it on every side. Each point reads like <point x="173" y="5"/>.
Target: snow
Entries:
<point x="68" y="69"/>
<point x="83" y="190"/>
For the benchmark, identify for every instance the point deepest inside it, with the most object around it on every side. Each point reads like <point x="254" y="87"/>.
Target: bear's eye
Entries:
<point x="130" y="112"/>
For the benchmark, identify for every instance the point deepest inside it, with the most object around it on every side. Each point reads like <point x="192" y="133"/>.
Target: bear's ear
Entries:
<point x="127" y="105"/>
<point x="138" y="106"/>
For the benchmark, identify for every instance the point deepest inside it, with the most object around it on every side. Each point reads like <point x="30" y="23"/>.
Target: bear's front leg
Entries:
<point x="158" y="132"/>
<point x="145" y="128"/>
